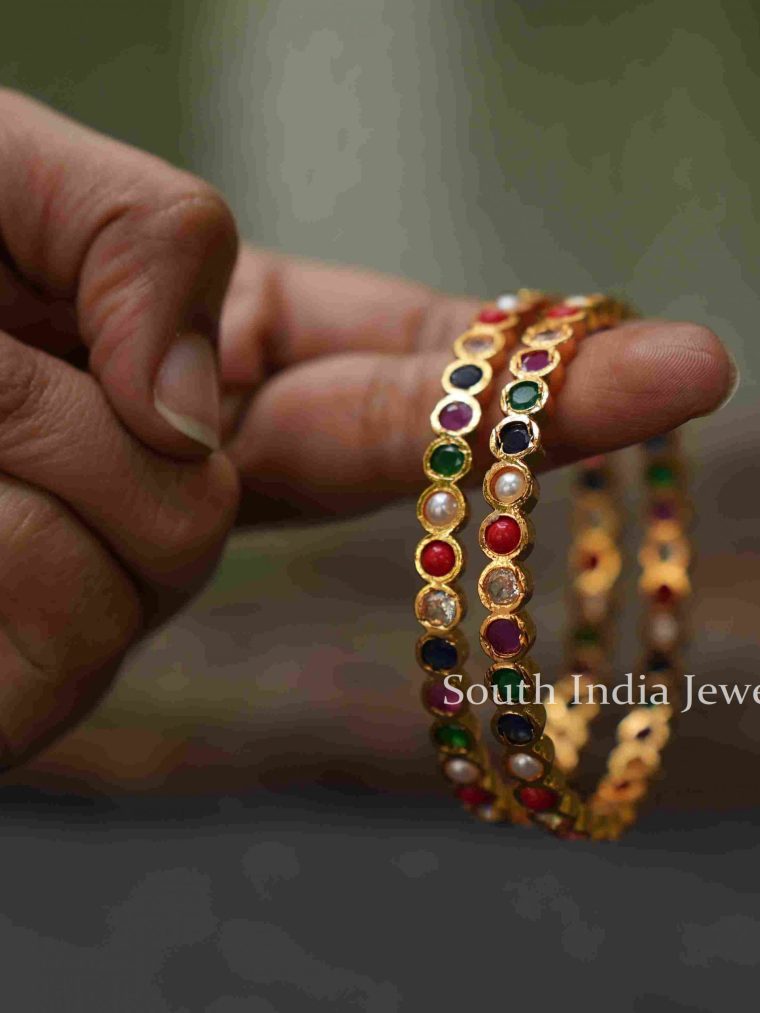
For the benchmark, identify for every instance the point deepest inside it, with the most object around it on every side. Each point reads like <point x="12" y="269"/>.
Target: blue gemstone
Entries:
<point x="465" y="377"/>
<point x="515" y="729"/>
<point x="439" y="654"/>
<point x="514" y="438"/>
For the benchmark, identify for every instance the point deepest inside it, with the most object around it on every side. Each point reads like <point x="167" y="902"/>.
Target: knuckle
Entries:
<point x="22" y="388"/>
<point x="195" y="213"/>
<point x="389" y="413"/>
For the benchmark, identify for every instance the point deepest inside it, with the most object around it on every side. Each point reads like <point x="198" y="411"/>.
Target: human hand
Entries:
<point x="112" y="508"/>
<point x="335" y="373"/>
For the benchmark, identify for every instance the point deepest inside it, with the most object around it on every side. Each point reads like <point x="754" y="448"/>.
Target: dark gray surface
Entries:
<point x="333" y="902"/>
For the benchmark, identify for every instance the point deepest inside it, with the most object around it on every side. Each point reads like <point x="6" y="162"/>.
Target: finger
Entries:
<point x="282" y="310"/>
<point x="346" y="431"/>
<point x="65" y="624"/>
<point x="143" y="250"/>
<point x="163" y="519"/>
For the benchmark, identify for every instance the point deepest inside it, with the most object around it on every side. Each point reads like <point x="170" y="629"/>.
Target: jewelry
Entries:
<point x="442" y="511"/>
<point x="542" y="748"/>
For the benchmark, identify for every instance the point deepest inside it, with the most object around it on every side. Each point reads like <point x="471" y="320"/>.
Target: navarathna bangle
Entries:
<point x="442" y="511"/>
<point x="543" y="742"/>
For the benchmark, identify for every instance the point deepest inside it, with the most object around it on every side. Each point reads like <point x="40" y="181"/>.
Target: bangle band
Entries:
<point x="543" y="742"/>
<point x="442" y="511"/>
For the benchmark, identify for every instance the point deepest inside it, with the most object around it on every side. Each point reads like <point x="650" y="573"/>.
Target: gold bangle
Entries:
<point x="440" y="605"/>
<point x="542" y="748"/>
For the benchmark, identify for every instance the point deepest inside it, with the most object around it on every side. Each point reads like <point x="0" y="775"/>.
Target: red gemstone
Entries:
<point x="455" y="416"/>
<point x="664" y="594"/>
<point x="590" y="561"/>
<point x="437" y="558"/>
<point x="504" y="636"/>
<point x="492" y="315"/>
<point x="441" y="699"/>
<point x="472" y="794"/>
<point x="533" y="362"/>
<point x="557" y="312"/>
<point x="503" y="535"/>
<point x="537" y="798"/>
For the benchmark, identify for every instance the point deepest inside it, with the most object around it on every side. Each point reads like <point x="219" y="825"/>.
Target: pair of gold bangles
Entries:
<point x="542" y="729"/>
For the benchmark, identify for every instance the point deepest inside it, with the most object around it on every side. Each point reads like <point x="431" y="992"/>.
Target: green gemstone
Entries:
<point x="447" y="460"/>
<point x="508" y="682"/>
<point x="524" y="396"/>
<point x="453" y="737"/>
<point x="586" y="635"/>
<point x="660" y="475"/>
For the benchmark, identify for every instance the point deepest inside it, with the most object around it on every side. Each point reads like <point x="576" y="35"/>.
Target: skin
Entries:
<point x="112" y="517"/>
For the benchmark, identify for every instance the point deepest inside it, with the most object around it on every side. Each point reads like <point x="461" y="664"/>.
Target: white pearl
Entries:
<point x="509" y="485"/>
<point x="461" y="771"/>
<point x="441" y="508"/>
<point x="508" y="302"/>
<point x="525" y="766"/>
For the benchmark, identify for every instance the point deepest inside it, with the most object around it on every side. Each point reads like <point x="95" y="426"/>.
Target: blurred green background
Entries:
<point x="478" y="147"/>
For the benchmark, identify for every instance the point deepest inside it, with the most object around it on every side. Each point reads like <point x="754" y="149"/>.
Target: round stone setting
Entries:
<point x="508" y="682"/>
<point x="437" y="558"/>
<point x="439" y="698"/>
<point x="455" y="416"/>
<point x="524" y="396"/>
<point x="538" y="798"/>
<point x="535" y="360"/>
<point x="492" y="315"/>
<point x="503" y="587"/>
<point x="438" y="608"/>
<point x="504" y="636"/>
<point x="478" y="345"/>
<point x="455" y="737"/>
<point x="562" y="311"/>
<point x="515" y="728"/>
<point x="525" y="767"/>
<point x="439" y="654"/>
<point x="473" y="794"/>
<point x="514" y="438"/>
<point x="466" y="376"/>
<point x="503" y="535"/>
<point x="461" y="771"/>
<point x="509" y="485"/>
<point x="447" y="460"/>
<point x="441" y="509"/>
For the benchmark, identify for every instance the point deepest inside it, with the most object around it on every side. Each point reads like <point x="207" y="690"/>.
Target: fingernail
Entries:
<point x="734" y="380"/>
<point x="186" y="392"/>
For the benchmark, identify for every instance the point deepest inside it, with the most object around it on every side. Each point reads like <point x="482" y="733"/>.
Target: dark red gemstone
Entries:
<point x="492" y="315"/>
<point x="437" y="558"/>
<point x="473" y="794"/>
<point x="533" y="362"/>
<point x="537" y="798"/>
<point x="664" y="594"/>
<point x="590" y="561"/>
<point x="557" y="312"/>
<point x="439" y="698"/>
<point x="455" y="416"/>
<point x="503" y="535"/>
<point x="504" y="636"/>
